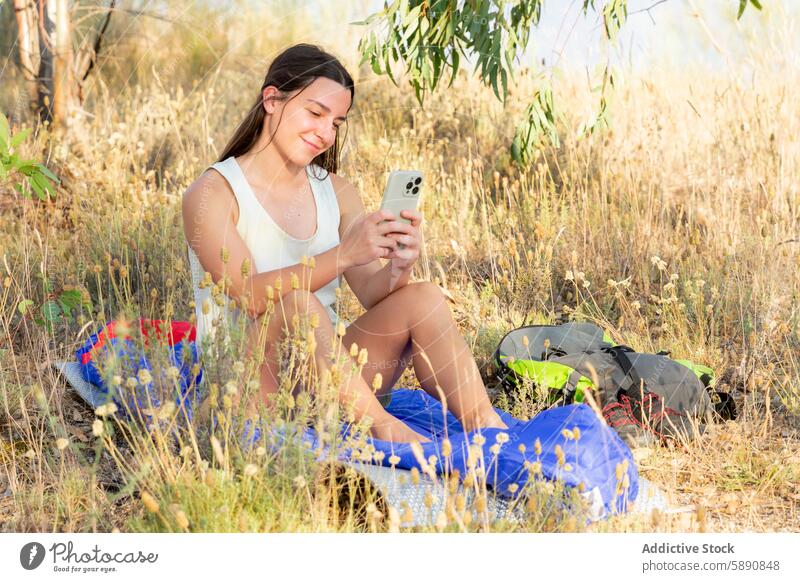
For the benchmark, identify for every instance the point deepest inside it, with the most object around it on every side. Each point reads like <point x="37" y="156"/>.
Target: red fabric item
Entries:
<point x="150" y="328"/>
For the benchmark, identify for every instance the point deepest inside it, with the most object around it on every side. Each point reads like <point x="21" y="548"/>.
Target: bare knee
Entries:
<point x="424" y="299"/>
<point x="425" y="291"/>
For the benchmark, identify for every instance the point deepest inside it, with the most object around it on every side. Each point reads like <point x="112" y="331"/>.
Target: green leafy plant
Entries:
<point x="35" y="178"/>
<point x="56" y="305"/>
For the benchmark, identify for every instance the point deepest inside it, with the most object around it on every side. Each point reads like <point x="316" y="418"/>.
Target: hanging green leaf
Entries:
<point x="538" y="128"/>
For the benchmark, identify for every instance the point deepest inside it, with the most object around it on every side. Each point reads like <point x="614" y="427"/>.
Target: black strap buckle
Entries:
<point x="552" y="353"/>
<point x="637" y="386"/>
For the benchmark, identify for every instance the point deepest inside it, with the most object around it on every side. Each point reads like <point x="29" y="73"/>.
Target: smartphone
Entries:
<point x="402" y="192"/>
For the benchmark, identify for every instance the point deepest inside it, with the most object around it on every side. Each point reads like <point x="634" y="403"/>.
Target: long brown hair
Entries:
<point x="295" y="68"/>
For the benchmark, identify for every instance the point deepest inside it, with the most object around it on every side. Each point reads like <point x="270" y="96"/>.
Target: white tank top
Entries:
<point x="270" y="246"/>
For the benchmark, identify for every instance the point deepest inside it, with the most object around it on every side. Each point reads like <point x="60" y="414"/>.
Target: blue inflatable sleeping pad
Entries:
<point x="597" y="461"/>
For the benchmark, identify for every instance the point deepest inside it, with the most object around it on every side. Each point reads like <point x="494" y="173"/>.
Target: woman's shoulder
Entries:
<point x="347" y="194"/>
<point x="209" y="193"/>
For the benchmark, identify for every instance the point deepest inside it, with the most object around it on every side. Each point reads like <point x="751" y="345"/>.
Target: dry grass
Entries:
<point x="677" y="229"/>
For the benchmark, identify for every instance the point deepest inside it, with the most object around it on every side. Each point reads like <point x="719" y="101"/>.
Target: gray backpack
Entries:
<point x="570" y="358"/>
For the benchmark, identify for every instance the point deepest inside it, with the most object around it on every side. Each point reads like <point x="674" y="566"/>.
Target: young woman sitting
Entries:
<point x="274" y="197"/>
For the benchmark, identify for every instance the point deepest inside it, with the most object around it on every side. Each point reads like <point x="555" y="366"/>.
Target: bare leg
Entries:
<point x="415" y="321"/>
<point x="354" y="392"/>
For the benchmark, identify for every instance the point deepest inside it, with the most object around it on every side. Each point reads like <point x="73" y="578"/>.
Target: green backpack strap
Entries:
<point x="704" y="373"/>
<point x="552" y="376"/>
<point x="574" y="388"/>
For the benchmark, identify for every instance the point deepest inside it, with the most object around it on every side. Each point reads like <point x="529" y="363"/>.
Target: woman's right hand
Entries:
<point x="365" y="239"/>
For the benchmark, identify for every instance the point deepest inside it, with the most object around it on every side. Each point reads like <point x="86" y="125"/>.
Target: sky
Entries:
<point x="668" y="31"/>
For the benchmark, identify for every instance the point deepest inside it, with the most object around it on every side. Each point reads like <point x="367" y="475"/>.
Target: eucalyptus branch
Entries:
<point x="428" y="39"/>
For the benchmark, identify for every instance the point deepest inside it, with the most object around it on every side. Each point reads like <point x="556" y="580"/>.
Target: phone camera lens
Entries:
<point x="417" y="181"/>
<point x="409" y="185"/>
<point x="415" y="190"/>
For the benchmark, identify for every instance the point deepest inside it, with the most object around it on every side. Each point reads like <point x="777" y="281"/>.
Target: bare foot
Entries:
<point x="397" y="432"/>
<point x="494" y="422"/>
<point x="489" y="420"/>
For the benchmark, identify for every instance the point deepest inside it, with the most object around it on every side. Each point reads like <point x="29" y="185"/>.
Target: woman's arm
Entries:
<point x="209" y="210"/>
<point x="371" y="282"/>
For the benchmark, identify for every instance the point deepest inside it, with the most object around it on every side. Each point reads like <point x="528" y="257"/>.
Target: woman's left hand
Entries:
<point x="408" y="235"/>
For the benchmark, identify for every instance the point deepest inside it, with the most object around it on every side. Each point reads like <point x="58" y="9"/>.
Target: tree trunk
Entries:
<point x="63" y="82"/>
<point x="24" y="11"/>
<point x="46" y="59"/>
<point x="53" y="73"/>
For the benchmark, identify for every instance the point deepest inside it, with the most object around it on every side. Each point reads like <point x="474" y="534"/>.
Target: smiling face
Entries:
<point x="305" y="123"/>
